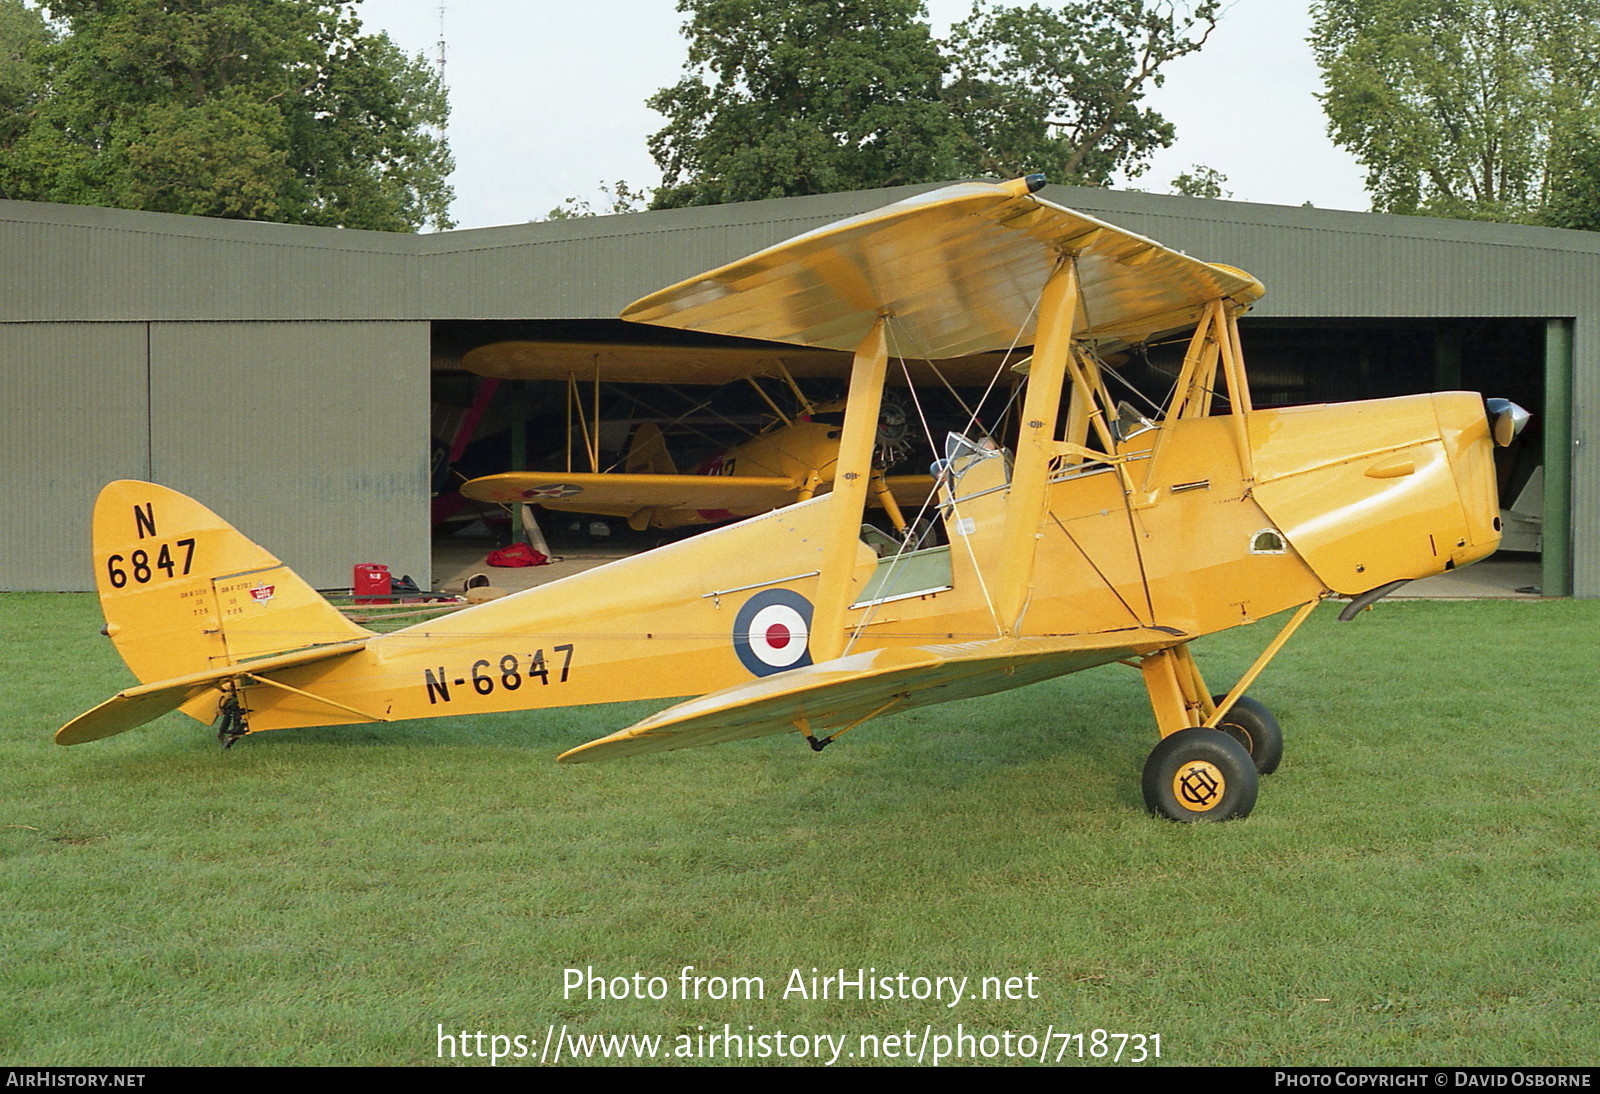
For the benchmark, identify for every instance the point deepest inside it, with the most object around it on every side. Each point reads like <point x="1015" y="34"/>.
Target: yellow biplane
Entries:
<point x="790" y="460"/>
<point x="1100" y="537"/>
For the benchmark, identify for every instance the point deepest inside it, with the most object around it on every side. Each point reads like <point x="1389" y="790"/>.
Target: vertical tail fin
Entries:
<point x="647" y="452"/>
<point x="186" y="599"/>
<point x="183" y="592"/>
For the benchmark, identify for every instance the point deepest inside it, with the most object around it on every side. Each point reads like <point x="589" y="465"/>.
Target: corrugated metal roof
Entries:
<point x="80" y="263"/>
<point x="76" y="262"/>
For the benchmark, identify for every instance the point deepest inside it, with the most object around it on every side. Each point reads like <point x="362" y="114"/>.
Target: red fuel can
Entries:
<point x="371" y="582"/>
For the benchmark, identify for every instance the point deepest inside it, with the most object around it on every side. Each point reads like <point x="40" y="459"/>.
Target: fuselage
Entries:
<point x="1189" y="527"/>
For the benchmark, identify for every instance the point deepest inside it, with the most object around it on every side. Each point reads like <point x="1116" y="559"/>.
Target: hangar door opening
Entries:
<point x="1524" y="360"/>
<point x="1291" y="361"/>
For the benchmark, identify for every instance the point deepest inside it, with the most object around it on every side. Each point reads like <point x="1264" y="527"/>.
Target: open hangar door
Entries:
<point x="1294" y="361"/>
<point x="588" y="420"/>
<point x="483" y="426"/>
<point x="1325" y="360"/>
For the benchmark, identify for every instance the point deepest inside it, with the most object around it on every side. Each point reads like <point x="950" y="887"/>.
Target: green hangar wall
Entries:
<point x="270" y="371"/>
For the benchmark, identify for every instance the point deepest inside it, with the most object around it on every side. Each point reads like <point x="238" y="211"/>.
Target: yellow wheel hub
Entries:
<point x="1198" y="785"/>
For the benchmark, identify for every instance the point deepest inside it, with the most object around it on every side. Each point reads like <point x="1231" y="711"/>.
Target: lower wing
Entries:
<point x="583" y="492"/>
<point x="838" y="694"/>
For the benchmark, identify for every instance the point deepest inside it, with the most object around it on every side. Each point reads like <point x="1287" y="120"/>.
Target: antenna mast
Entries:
<point x="439" y="58"/>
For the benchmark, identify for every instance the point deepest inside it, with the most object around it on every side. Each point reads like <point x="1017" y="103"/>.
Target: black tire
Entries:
<point x="1253" y="726"/>
<point x="1199" y="775"/>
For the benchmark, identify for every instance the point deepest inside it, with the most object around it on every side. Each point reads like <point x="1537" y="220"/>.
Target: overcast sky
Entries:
<point x="547" y="100"/>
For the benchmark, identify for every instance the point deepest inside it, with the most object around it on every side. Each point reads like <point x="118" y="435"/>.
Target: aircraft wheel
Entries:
<point x="1199" y="775"/>
<point x="1253" y="726"/>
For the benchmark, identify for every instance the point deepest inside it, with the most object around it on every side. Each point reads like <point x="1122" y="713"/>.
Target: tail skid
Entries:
<point x="194" y="607"/>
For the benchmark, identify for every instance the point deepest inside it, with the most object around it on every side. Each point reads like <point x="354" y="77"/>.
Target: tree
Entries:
<point x="1461" y="108"/>
<point x="1059" y="89"/>
<point x="24" y="36"/>
<point x="785" y="97"/>
<point x="1574" y="186"/>
<point x="1201" y="181"/>
<point x="278" y="110"/>
<point x="619" y="198"/>
<point x="763" y="110"/>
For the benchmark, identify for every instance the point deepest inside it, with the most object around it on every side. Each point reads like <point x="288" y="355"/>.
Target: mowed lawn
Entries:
<point x="1419" y="883"/>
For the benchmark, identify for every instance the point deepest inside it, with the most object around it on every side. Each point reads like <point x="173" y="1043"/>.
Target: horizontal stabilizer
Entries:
<point x="128" y="710"/>
<point x="135" y="706"/>
<point x="839" y="693"/>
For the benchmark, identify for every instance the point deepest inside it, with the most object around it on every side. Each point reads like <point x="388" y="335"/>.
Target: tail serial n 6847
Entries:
<point x="1091" y="536"/>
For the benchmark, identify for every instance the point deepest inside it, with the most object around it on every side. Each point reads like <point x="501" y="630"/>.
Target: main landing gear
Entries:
<point x="1200" y="774"/>
<point x="1210" y="758"/>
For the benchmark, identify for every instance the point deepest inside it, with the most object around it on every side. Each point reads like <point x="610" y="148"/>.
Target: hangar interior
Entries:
<point x="529" y="424"/>
<point x="1297" y="361"/>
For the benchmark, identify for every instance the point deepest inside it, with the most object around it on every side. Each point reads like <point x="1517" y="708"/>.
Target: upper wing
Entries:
<point x="623" y="494"/>
<point x="958" y="269"/>
<point x="638" y="364"/>
<point x="850" y="689"/>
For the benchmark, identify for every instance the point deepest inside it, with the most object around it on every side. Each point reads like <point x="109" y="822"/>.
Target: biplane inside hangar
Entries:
<point x="1092" y="535"/>
<point x="789" y="455"/>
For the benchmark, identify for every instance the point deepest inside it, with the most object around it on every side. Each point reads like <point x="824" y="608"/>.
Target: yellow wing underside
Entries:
<point x="646" y="364"/>
<point x="951" y="283"/>
<point x="582" y="491"/>
<point x="840" y="693"/>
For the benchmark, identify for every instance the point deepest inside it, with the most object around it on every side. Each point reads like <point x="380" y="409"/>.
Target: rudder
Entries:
<point x="647" y="452"/>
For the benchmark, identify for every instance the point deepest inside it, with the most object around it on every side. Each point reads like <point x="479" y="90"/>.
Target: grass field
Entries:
<point x="1418" y="884"/>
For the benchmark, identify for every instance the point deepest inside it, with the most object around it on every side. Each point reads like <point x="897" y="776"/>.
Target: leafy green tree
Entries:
<point x="1574" y="186"/>
<point x="1060" y="89"/>
<point x="24" y="36"/>
<point x="278" y="110"/>
<point x="619" y="198"/>
<point x="1461" y="108"/>
<point x="1201" y="181"/>
<point x="785" y="97"/>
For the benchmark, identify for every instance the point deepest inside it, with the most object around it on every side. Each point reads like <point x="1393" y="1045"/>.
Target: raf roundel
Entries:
<point x="772" y="632"/>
